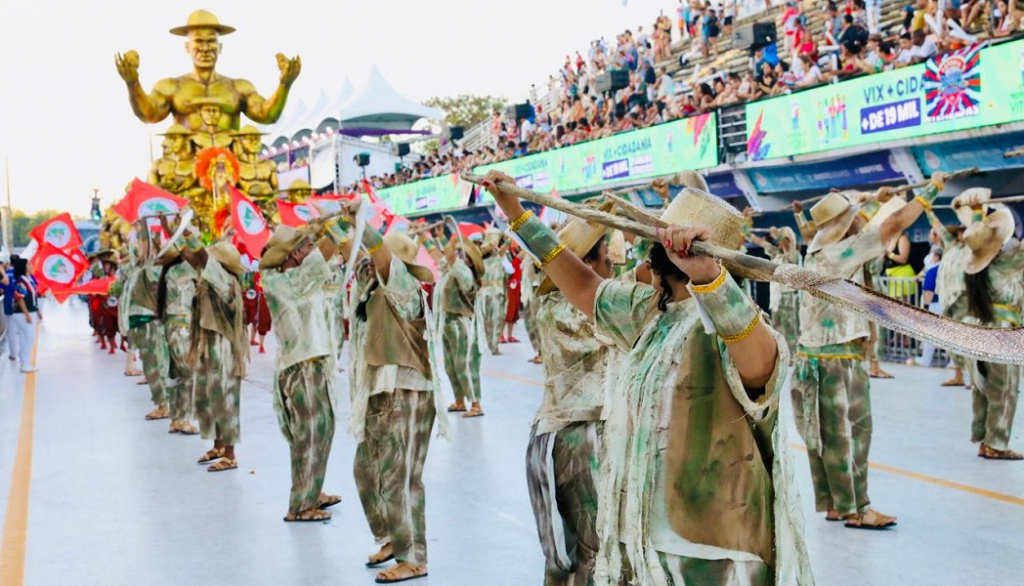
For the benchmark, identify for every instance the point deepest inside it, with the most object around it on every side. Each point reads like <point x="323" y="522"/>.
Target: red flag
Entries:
<point x="247" y="220"/>
<point x="57" y="270"/>
<point x="370" y="193"/>
<point x="58" y="231"/>
<point x="94" y="287"/>
<point x="144" y="199"/>
<point x="296" y="215"/>
<point x="468" y="229"/>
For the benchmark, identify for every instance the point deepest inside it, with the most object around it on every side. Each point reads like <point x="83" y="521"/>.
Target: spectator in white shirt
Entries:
<point x="906" y="55"/>
<point x="923" y="48"/>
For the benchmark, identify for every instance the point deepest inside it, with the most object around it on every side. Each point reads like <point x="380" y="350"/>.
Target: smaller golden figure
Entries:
<point x="257" y="177"/>
<point x="298" y="192"/>
<point x="211" y="133"/>
<point x="175" y="170"/>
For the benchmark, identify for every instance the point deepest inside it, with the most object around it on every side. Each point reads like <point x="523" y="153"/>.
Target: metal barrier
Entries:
<point x="893" y="346"/>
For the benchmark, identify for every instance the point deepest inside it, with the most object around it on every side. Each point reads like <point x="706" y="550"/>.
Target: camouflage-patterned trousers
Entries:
<point x="389" y="470"/>
<point x="303" y="404"/>
<point x="181" y="380"/>
<point x="338" y="315"/>
<point x="787" y="319"/>
<point x="832" y="406"/>
<point x="562" y="475"/>
<point x="995" y="402"/>
<point x="530" y="321"/>
<point x="152" y="343"/>
<point x="684" y="571"/>
<point x="494" y="309"/>
<point x="461" y="356"/>
<point x="218" y="393"/>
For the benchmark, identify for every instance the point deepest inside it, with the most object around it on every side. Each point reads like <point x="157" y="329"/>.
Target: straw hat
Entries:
<point x="227" y="255"/>
<point x="177" y="130"/>
<point x="833" y="217"/>
<point x="985" y="237"/>
<point x="786" y="233"/>
<point x="472" y="251"/>
<point x="963" y="210"/>
<point x="406" y="249"/>
<point x="281" y="243"/>
<point x="248" y="130"/>
<point x="690" y="179"/>
<point x="579" y="236"/>
<point x="695" y="207"/>
<point x="202" y="19"/>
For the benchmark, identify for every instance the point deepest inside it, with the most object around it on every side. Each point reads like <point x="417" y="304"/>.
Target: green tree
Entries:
<point x="466" y="110"/>
<point x="22" y="224"/>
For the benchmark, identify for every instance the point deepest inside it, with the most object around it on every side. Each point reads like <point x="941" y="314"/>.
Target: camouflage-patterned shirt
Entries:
<point x="298" y="305"/>
<point x="575" y="365"/>
<point x="822" y="323"/>
<point x="457" y="288"/>
<point x="181" y="289"/>
<point x="494" y="272"/>
<point x="949" y="282"/>
<point x="1005" y="278"/>
<point x="405" y="294"/>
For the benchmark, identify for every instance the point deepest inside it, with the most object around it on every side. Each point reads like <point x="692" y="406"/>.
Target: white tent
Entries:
<point x="378" y="106"/>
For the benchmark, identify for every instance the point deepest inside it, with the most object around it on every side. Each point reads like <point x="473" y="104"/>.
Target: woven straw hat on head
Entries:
<point x="833" y="217"/>
<point x="690" y="179"/>
<point x="578" y="236"/>
<point x="786" y="233"/>
<point x="986" y="237"/>
<point x="406" y="249"/>
<point x="963" y="212"/>
<point x="282" y="242"/>
<point x="693" y="207"/>
<point x="228" y="257"/>
<point x="474" y="255"/>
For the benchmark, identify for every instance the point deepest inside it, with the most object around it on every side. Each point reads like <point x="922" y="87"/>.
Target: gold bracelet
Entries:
<point x="924" y="202"/>
<point x="708" y="288"/>
<point x="938" y="184"/>
<point x="375" y="247"/>
<point x="550" y="256"/>
<point x="518" y="222"/>
<point x="746" y="331"/>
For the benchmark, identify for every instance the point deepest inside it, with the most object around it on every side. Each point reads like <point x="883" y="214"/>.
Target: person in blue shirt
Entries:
<point x="20" y="293"/>
<point x="930" y="300"/>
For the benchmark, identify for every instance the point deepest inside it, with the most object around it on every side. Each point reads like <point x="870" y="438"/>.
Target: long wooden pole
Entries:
<point x="1011" y="199"/>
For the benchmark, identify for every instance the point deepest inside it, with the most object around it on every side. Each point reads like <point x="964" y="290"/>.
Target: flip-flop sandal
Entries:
<point x="152" y="417"/>
<point x="453" y="409"/>
<point x="224" y="464"/>
<point x="994" y="454"/>
<point x="189" y="431"/>
<point x="380" y="562"/>
<point x="329" y="503"/>
<point x="952" y="383"/>
<point x="470" y="414"/>
<point x="881" y="375"/>
<point x="309" y="520"/>
<point x="406" y="579"/>
<point x="860" y="525"/>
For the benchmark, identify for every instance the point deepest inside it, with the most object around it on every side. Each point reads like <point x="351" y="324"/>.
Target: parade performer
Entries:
<point x="397" y="404"/>
<point x="990" y="261"/>
<point x="698" y="466"/>
<point x="784" y="302"/>
<point x="257" y="312"/>
<point x="530" y="304"/>
<point x="107" y="311"/>
<point x="514" y="295"/>
<point x="294" y="275"/>
<point x="455" y="299"/>
<point x="831" y="388"/>
<point x="490" y="302"/>
<point x="562" y="459"/>
<point x="144" y="327"/>
<point x="950" y="285"/>
<point x="218" y="349"/>
<point x="336" y="310"/>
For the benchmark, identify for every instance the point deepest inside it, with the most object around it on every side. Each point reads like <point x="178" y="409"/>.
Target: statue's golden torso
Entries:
<point x="230" y="95"/>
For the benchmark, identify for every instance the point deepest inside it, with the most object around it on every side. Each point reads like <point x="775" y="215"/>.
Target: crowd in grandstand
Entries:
<point x="851" y="42"/>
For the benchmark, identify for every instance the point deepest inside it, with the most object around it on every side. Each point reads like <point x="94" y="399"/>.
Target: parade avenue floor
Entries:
<point x="97" y="495"/>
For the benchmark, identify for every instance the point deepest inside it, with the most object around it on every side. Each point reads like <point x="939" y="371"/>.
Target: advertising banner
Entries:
<point x="846" y="172"/>
<point x="968" y="88"/>
<point x="691" y="143"/>
<point x="984" y="152"/>
<point x="427" y="195"/>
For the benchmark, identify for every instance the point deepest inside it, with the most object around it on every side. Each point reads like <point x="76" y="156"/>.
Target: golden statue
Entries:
<point x="175" y="170"/>
<point x="299" y="191"/>
<point x="177" y="96"/>
<point x="211" y="133"/>
<point x="256" y="177"/>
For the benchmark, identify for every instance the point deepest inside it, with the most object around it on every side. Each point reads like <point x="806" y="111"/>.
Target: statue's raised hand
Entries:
<point x="128" y="66"/>
<point x="290" y="68"/>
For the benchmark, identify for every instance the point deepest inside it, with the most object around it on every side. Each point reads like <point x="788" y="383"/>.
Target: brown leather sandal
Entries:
<point x="223" y="464"/>
<point x="870" y="519"/>
<point x="402" y="572"/>
<point x="993" y="454"/>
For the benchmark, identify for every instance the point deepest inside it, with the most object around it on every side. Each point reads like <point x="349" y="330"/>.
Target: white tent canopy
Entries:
<point x="377" y="105"/>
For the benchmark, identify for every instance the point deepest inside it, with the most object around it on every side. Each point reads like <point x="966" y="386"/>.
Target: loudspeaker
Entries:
<point x="456" y="132"/>
<point x="517" y="111"/>
<point x="753" y="36"/>
<point x="403" y="149"/>
<point x="611" y="81"/>
<point x="362" y="159"/>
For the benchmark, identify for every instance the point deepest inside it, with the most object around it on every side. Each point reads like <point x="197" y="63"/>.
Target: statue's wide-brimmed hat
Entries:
<point x="281" y="243"/>
<point x="298" y="185"/>
<point x="406" y="249"/>
<point x="202" y="19"/>
<point x="248" y="130"/>
<point x="177" y="130"/>
<point x="833" y="217"/>
<point x="986" y="236"/>
<point x="579" y="236"/>
<point x="695" y="207"/>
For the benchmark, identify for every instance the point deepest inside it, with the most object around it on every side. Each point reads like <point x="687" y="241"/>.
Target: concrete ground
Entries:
<point x="116" y="500"/>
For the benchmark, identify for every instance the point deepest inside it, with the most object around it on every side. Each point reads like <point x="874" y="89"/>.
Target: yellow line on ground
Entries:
<point x="12" y="549"/>
<point x="1013" y="500"/>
